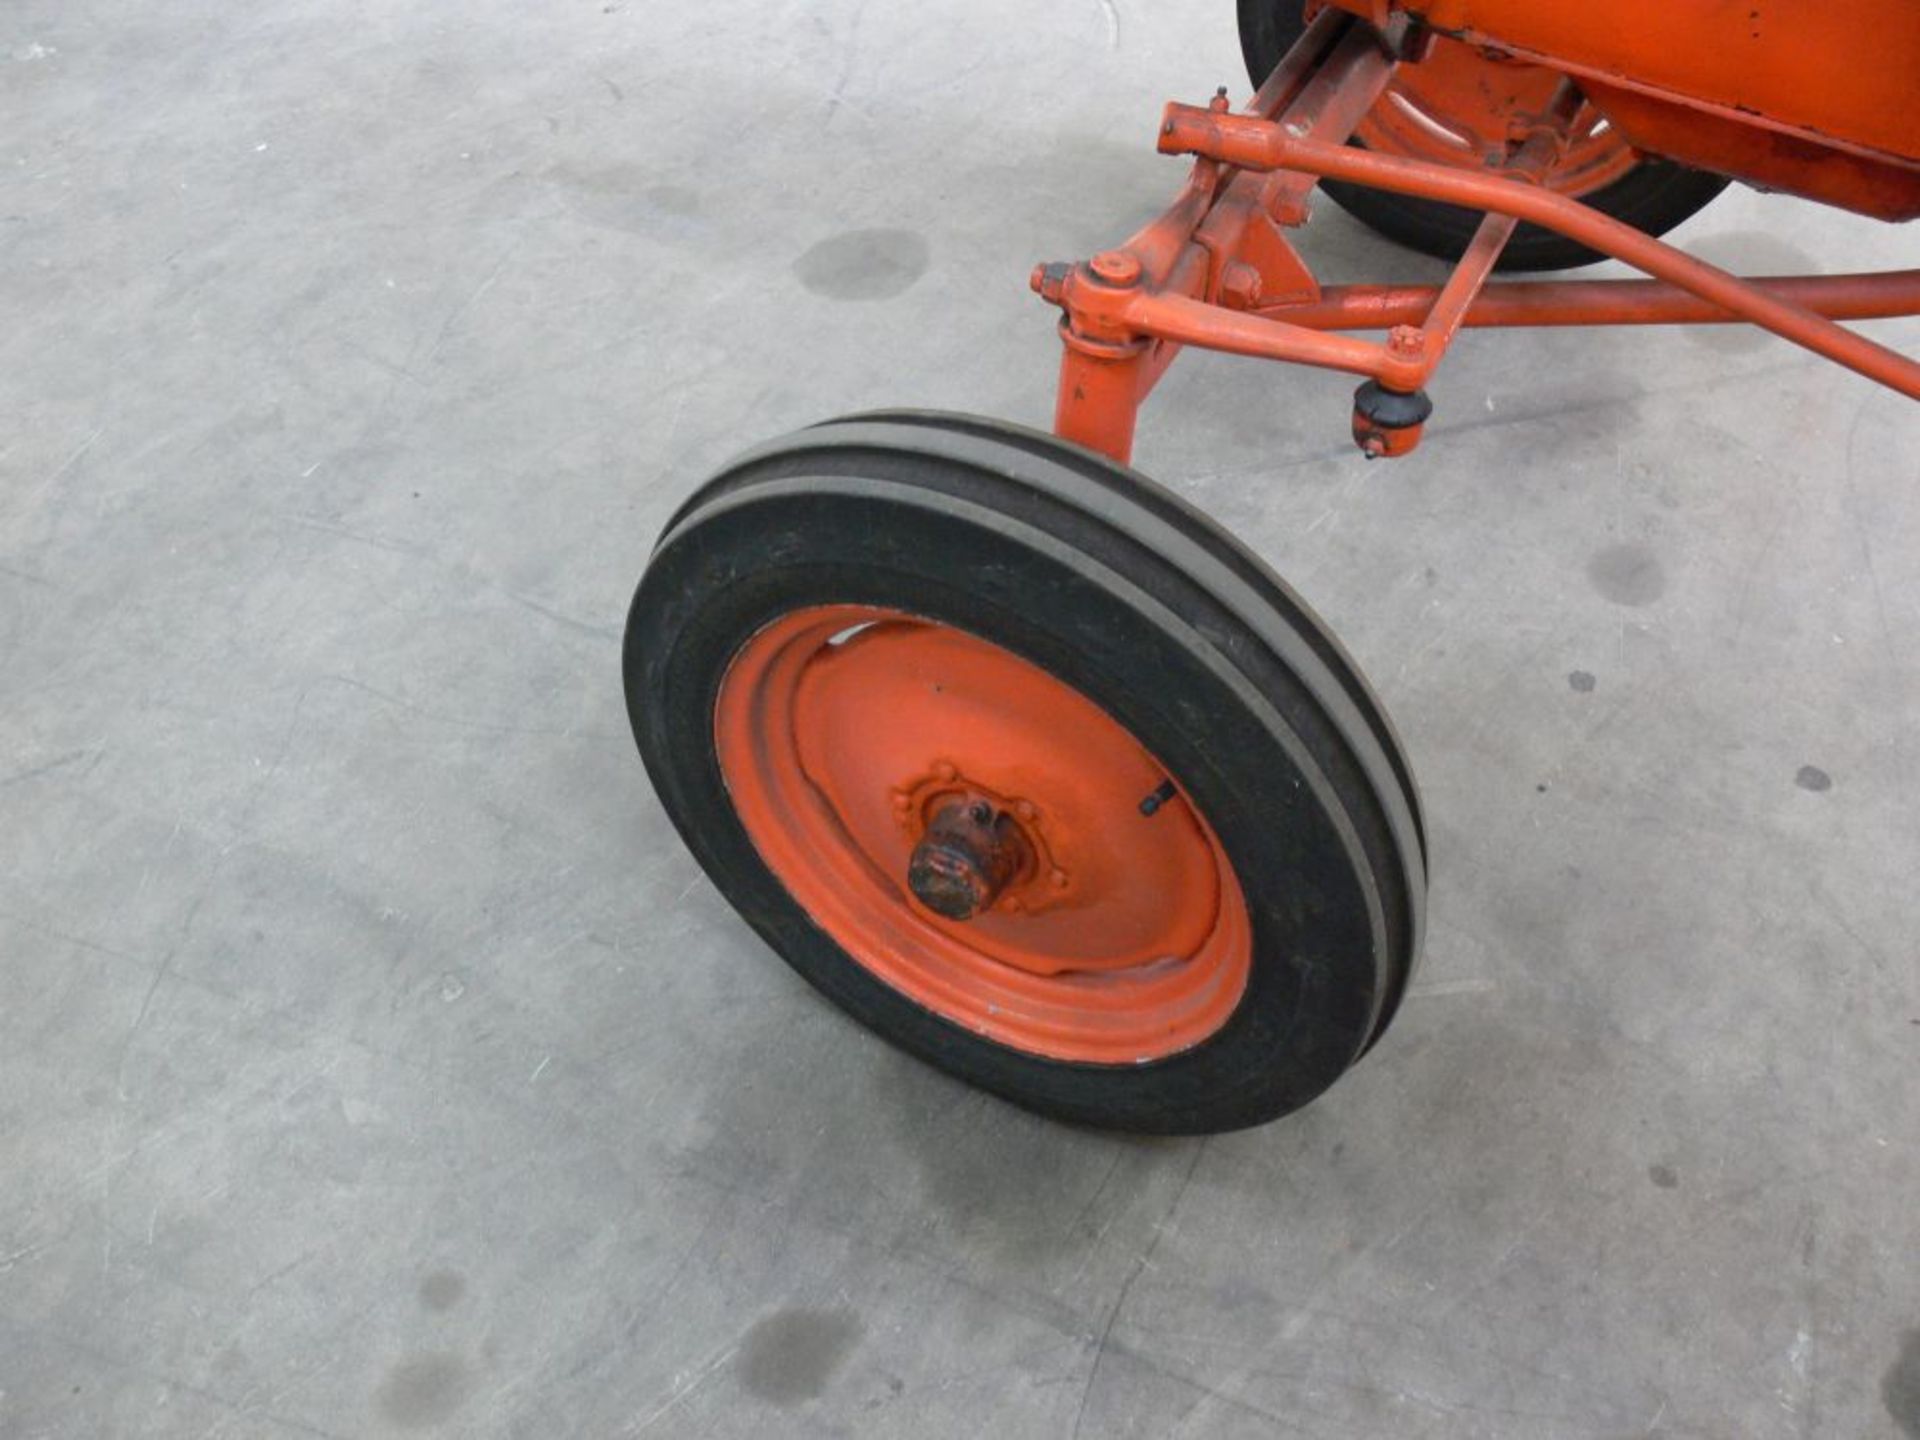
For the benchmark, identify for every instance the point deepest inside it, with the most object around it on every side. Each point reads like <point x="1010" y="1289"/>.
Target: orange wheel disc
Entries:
<point x="1112" y="929"/>
<point x="1455" y="107"/>
<point x="1030" y="770"/>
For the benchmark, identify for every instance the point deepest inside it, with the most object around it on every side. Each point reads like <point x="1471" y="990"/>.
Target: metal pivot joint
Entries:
<point x="1387" y="422"/>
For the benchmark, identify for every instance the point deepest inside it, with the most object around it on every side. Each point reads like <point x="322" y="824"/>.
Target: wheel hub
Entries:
<point x="969" y="853"/>
<point x="970" y="829"/>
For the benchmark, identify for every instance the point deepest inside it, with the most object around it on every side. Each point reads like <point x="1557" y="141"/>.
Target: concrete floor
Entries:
<point x="374" y="1059"/>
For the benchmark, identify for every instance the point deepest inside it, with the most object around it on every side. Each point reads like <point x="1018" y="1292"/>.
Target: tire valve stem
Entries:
<point x="1158" y="798"/>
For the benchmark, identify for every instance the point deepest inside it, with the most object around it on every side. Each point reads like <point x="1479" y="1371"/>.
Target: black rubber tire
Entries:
<point x="1151" y="610"/>
<point x="1654" y="196"/>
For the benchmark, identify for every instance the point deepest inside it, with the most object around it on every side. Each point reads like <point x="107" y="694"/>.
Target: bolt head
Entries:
<point x="1240" y="285"/>
<point x="1116" y="267"/>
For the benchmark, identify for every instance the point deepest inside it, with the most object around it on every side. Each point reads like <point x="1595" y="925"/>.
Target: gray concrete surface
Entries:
<point x="374" y="1060"/>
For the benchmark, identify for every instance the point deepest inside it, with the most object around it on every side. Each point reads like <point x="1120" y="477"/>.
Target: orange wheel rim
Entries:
<point x="1119" y="933"/>
<point x="1455" y="106"/>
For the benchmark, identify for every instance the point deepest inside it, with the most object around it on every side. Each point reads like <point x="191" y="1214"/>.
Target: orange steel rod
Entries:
<point x="1452" y="301"/>
<point x="1296" y="66"/>
<point x="1258" y="145"/>
<point x="1603" y="302"/>
<point x="1535" y="157"/>
<point x="1194" y="322"/>
<point x="1160" y="245"/>
<point x="1325" y="102"/>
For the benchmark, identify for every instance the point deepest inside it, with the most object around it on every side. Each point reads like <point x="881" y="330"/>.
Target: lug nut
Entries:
<point x="1407" y="341"/>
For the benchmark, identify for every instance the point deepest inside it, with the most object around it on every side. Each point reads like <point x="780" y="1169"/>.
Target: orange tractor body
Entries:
<point x="1811" y="97"/>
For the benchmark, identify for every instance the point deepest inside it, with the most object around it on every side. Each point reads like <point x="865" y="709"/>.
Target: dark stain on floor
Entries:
<point x="442" y="1289"/>
<point x="1628" y="574"/>
<point x="792" y="1354"/>
<point x="863" y="264"/>
<point x="1900" y="1390"/>
<point x="423" y="1391"/>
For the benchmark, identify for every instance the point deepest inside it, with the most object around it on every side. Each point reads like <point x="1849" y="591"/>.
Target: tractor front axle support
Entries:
<point x="1216" y="270"/>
